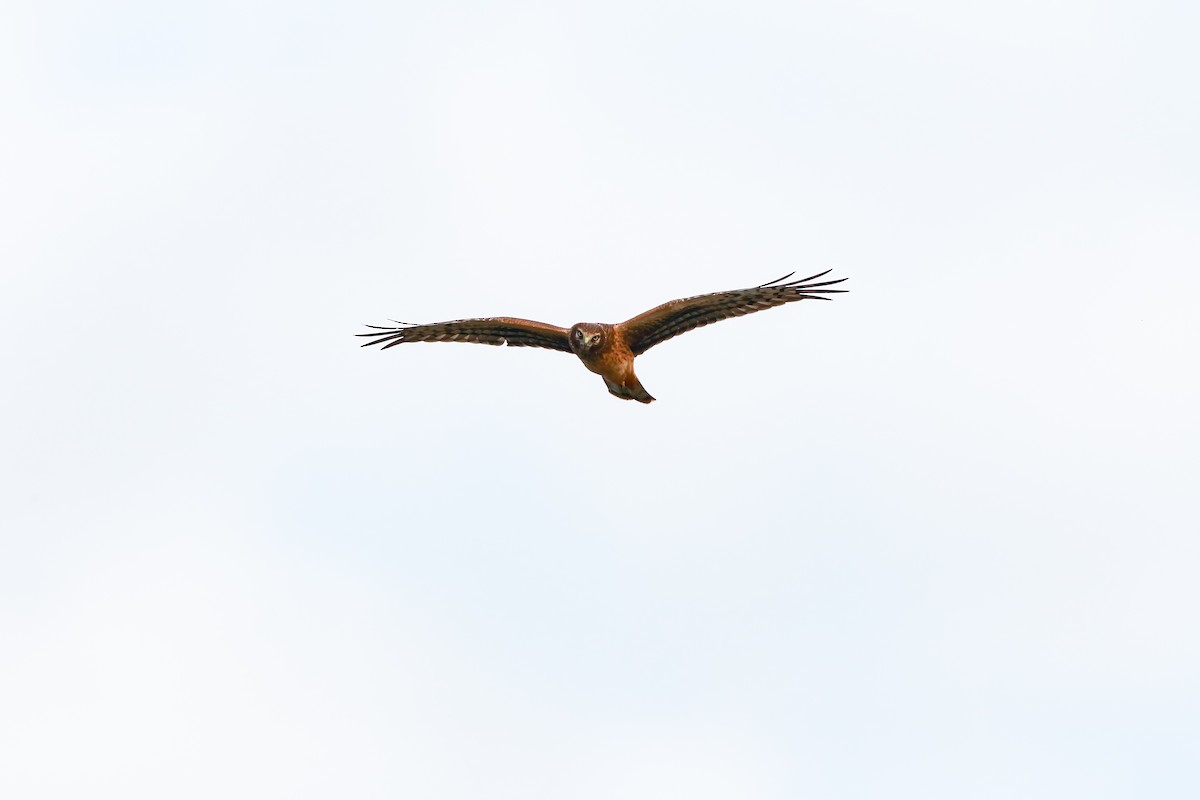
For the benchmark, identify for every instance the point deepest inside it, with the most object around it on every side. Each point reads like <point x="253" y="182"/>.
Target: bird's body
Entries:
<point x="609" y="350"/>
<point x="610" y="357"/>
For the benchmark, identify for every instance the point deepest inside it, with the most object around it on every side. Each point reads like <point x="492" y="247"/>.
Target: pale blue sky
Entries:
<point x="936" y="539"/>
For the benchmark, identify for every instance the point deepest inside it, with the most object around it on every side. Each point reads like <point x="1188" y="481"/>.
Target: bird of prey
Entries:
<point x="609" y="350"/>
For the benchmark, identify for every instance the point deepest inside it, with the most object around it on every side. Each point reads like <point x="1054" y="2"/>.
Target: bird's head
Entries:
<point x="587" y="337"/>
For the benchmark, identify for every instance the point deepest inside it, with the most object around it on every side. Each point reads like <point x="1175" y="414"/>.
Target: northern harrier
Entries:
<point x="609" y="350"/>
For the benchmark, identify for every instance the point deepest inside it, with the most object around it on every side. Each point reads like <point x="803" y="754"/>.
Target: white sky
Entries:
<point x="936" y="539"/>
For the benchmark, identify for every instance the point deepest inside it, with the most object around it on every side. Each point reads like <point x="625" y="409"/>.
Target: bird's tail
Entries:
<point x="638" y="392"/>
<point x="631" y="389"/>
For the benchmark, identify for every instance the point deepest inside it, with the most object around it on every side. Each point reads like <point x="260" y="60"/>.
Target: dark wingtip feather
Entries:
<point x="814" y="277"/>
<point x="803" y="284"/>
<point x="811" y="280"/>
<point x="382" y="334"/>
<point x="777" y="280"/>
<point x="808" y="285"/>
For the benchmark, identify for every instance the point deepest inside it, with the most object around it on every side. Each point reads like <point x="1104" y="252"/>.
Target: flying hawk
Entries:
<point x="609" y="350"/>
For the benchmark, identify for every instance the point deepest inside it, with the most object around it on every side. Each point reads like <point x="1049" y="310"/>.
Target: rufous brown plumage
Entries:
<point x="609" y="350"/>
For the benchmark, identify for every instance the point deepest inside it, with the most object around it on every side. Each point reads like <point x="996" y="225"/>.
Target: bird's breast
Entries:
<point x="613" y="362"/>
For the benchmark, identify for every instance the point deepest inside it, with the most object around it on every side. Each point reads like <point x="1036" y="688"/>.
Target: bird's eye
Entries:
<point x="596" y="339"/>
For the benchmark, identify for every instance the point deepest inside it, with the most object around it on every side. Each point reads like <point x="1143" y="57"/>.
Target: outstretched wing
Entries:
<point x="680" y="316"/>
<point x="494" y="330"/>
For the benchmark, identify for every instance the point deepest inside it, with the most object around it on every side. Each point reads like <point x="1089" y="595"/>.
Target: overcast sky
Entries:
<point x="938" y="538"/>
